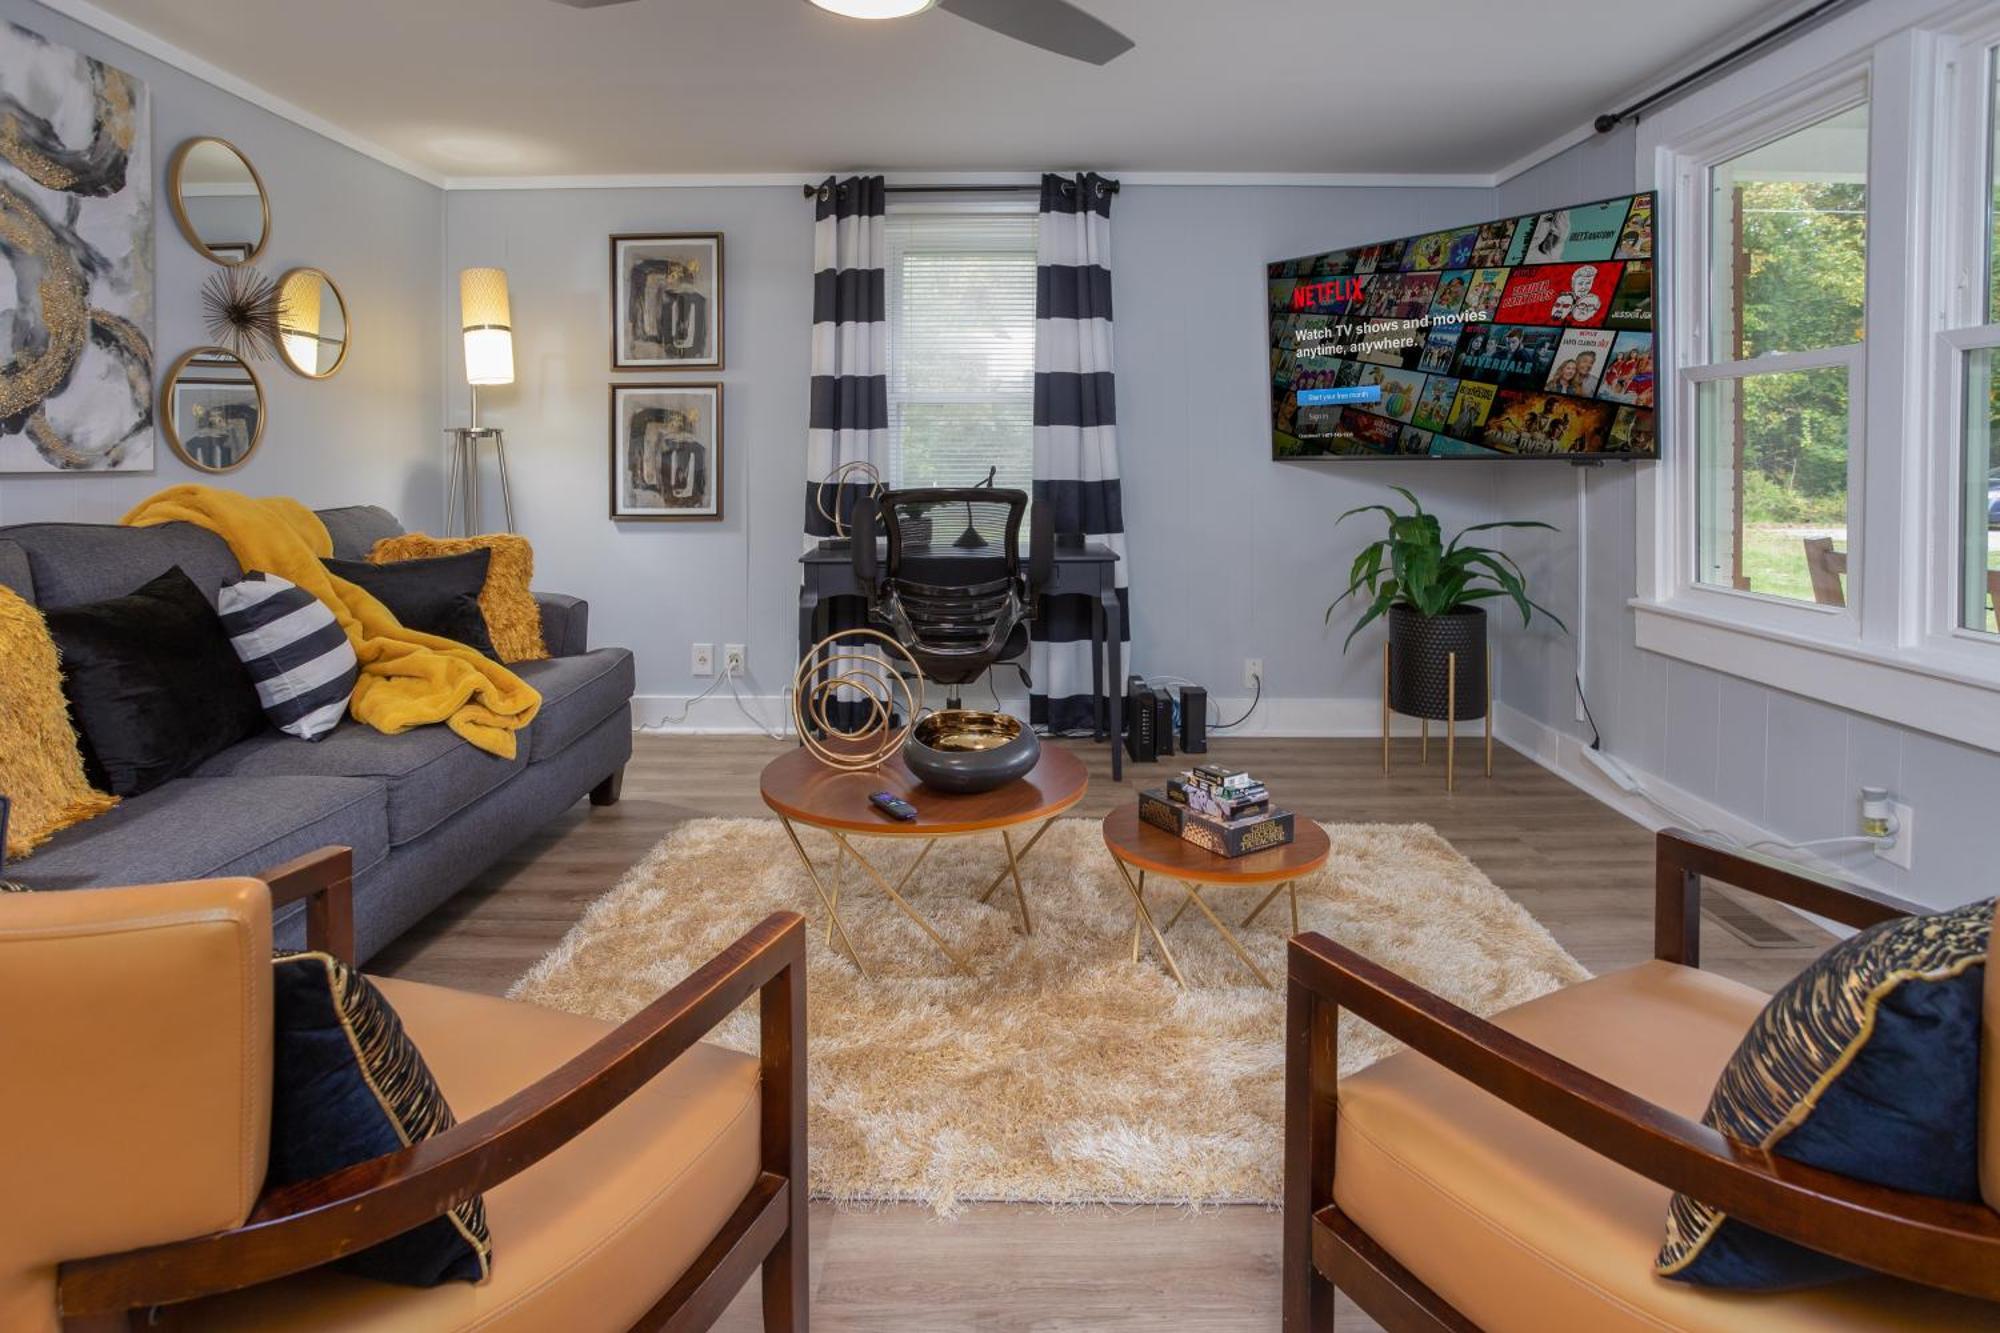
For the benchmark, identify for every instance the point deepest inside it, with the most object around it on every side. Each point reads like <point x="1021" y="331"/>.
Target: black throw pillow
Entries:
<point x="153" y="686"/>
<point x="438" y="595"/>
<point x="348" y="1085"/>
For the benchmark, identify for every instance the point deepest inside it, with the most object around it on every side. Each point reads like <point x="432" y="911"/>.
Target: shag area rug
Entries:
<point x="1064" y="1072"/>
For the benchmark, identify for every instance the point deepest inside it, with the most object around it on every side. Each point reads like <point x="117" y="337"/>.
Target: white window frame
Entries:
<point x="1895" y="650"/>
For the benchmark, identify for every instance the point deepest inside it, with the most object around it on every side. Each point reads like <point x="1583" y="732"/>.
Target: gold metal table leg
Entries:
<point x="1385" y="707"/>
<point x="1258" y="910"/>
<point x="1194" y="896"/>
<point x="1489" y="714"/>
<point x="1015" y="858"/>
<point x="908" y="910"/>
<point x="1139" y="901"/>
<point x="1450" y="721"/>
<point x="1136" y="927"/>
<point x="839" y="883"/>
<point x="1293" y="885"/>
<point x="1020" y="894"/>
<point x="833" y="914"/>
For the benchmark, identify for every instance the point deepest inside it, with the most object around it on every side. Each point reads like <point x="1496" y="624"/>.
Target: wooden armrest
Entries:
<point x="325" y="879"/>
<point x="1937" y="1242"/>
<point x="315" y="1222"/>
<point x="1682" y="860"/>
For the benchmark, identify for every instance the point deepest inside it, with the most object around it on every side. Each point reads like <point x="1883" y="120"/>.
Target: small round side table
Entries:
<point x="1145" y="848"/>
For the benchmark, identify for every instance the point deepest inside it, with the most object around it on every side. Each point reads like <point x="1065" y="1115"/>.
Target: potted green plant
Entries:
<point x="1431" y="593"/>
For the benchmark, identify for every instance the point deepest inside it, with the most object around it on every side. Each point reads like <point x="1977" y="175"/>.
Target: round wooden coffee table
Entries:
<point x="1140" y="845"/>
<point x="799" y="788"/>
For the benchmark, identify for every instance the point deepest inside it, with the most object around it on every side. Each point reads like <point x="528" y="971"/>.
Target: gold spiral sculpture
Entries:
<point x="839" y="662"/>
<point x="833" y="479"/>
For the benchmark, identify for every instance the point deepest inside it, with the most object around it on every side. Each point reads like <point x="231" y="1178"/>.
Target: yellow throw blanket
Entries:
<point x="408" y="679"/>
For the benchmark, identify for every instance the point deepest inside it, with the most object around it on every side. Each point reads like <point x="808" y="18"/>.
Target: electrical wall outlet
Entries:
<point x="704" y="659"/>
<point x="1253" y="672"/>
<point x="1901" y="851"/>
<point x="732" y="658"/>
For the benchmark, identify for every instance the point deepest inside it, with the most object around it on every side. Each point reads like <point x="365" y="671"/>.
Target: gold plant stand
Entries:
<point x="1450" y="720"/>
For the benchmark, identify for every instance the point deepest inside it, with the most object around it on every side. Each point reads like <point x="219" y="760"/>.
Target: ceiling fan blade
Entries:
<point x="1053" y="25"/>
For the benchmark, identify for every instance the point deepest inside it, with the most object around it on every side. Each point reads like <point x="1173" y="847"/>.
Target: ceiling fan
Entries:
<point x="1052" y="25"/>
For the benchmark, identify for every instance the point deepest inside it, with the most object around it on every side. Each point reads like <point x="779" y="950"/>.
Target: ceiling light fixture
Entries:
<point x="873" y="9"/>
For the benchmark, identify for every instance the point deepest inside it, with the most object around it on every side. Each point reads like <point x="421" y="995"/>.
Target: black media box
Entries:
<point x="1194" y="720"/>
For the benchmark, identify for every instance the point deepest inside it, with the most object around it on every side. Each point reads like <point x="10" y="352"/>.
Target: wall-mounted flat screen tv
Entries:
<point x="1526" y="337"/>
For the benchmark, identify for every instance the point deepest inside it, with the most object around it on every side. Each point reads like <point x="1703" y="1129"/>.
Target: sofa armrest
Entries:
<point x="565" y="624"/>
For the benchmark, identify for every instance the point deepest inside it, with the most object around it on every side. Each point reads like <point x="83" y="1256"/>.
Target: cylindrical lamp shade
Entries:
<point x="298" y="319"/>
<point x="488" y="326"/>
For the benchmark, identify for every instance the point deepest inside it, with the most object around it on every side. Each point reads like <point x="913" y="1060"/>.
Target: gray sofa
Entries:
<point x="423" y="811"/>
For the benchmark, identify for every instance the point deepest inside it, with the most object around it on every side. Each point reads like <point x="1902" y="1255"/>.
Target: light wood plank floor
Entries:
<point x="1582" y="869"/>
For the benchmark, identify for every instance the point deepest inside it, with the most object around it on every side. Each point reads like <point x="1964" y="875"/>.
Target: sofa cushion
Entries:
<point x="72" y="563"/>
<point x="198" y="828"/>
<point x="153" y="684"/>
<point x="1522" y="1229"/>
<point x="356" y="528"/>
<point x="429" y="774"/>
<point x="591" y="1236"/>
<point x="577" y="694"/>
<point x="15" y="573"/>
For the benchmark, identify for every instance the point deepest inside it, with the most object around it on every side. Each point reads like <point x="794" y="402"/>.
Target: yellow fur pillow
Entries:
<point x="41" y="770"/>
<point x="513" y="618"/>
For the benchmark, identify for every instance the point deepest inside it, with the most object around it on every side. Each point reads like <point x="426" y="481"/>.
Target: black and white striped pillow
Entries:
<point x="295" y="651"/>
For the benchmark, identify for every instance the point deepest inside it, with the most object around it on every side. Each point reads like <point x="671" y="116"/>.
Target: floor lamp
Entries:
<point x="487" y="324"/>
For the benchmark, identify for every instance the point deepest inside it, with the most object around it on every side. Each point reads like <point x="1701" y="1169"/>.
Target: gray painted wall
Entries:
<point x="1232" y="556"/>
<point x="1787" y="763"/>
<point x="371" y="433"/>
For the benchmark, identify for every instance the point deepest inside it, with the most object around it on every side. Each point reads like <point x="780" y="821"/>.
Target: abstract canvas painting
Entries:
<point x="666" y="302"/>
<point x="666" y="451"/>
<point x="76" y="287"/>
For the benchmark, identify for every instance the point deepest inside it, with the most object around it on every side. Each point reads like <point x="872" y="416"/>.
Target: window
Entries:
<point x="961" y="290"/>
<point x="1823" y="517"/>
<point x="1787" y="286"/>
<point x="1979" y="520"/>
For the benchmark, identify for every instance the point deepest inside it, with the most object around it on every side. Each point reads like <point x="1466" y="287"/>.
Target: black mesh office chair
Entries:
<point x="952" y="586"/>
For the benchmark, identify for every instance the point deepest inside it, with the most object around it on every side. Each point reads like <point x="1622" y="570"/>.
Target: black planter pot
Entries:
<point x="1420" y="649"/>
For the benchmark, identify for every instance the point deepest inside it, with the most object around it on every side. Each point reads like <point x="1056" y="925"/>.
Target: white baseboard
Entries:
<point x="719" y="715"/>
<point x="1562" y="754"/>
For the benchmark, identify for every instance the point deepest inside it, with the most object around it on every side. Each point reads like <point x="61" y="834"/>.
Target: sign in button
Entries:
<point x="1353" y="393"/>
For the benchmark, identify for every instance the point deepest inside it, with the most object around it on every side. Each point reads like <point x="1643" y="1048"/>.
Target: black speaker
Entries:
<point x="1194" y="720"/>
<point x="1142" y="740"/>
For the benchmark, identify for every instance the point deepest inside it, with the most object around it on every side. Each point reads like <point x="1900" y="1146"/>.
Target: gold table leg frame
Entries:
<point x="1194" y="899"/>
<point x="1450" y="720"/>
<point x="1146" y="918"/>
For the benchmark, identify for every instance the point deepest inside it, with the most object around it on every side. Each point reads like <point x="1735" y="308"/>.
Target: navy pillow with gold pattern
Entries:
<point x="349" y="1086"/>
<point x="1867" y="1064"/>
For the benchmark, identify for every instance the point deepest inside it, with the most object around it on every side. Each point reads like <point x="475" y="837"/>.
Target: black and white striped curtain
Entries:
<point x="1076" y="432"/>
<point x="850" y="347"/>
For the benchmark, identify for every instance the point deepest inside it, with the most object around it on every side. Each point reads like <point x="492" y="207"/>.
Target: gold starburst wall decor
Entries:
<point x="240" y="306"/>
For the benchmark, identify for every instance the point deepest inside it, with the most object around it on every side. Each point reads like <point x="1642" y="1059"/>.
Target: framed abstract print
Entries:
<point x="666" y="302"/>
<point x="666" y="452"/>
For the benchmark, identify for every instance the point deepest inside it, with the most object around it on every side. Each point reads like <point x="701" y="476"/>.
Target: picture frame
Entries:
<point x="666" y="452"/>
<point x="667" y="301"/>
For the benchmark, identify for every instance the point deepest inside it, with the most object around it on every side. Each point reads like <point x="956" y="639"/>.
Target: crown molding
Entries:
<point x="187" y="62"/>
<point x="792" y="180"/>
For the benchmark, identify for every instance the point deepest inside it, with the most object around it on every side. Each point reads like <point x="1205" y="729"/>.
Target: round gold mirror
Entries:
<point x="219" y="201"/>
<point x="312" y="323"/>
<point x="213" y="406"/>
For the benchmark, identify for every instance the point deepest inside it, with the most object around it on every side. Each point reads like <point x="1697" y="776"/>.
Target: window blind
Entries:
<point x="961" y="292"/>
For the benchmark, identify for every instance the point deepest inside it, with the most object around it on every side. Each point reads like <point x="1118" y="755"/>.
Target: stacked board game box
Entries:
<point x="1225" y="810"/>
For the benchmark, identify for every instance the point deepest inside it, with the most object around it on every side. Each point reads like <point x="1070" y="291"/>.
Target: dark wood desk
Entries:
<point x="1085" y="569"/>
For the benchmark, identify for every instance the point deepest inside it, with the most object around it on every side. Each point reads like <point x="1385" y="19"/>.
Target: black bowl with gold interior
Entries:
<point x="963" y="750"/>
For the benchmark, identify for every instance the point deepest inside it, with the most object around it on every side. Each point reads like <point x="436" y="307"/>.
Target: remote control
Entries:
<point x="892" y="805"/>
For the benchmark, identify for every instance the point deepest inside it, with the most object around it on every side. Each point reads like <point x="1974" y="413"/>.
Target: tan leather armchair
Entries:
<point x="1514" y="1174"/>
<point x="634" y="1176"/>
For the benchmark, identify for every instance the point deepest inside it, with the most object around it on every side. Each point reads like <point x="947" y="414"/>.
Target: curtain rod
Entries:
<point x="1612" y="119"/>
<point x="812" y="191"/>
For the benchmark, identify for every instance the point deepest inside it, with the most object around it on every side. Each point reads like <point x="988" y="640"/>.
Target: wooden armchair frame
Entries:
<point x="315" y="1222"/>
<point x="1940" y="1243"/>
